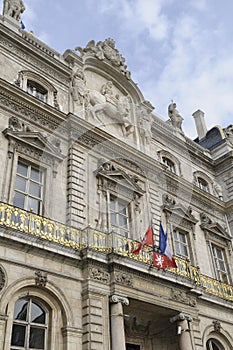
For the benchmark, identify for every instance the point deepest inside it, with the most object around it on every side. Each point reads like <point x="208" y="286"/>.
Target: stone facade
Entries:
<point x="87" y="166"/>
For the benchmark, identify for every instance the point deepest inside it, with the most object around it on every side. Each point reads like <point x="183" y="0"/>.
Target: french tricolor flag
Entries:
<point x="164" y="259"/>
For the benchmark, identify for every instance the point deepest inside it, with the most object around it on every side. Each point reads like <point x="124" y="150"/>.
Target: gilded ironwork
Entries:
<point x="53" y="231"/>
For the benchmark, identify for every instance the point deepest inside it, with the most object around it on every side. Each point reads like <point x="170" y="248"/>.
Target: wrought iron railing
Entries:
<point x="44" y="228"/>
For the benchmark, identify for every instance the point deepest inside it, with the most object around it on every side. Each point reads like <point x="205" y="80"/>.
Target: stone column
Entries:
<point x="183" y="331"/>
<point x="117" y="321"/>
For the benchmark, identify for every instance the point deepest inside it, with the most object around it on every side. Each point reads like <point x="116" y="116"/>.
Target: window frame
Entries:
<point x="117" y="227"/>
<point x="179" y="243"/>
<point x="25" y="76"/>
<point x="170" y="165"/>
<point x="28" y="324"/>
<point x="215" y="342"/>
<point x="216" y="263"/>
<point x="203" y="184"/>
<point x="28" y="181"/>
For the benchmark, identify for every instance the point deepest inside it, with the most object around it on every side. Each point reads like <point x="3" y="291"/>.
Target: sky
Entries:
<point x="178" y="50"/>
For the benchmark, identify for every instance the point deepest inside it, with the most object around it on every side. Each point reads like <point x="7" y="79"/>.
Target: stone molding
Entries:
<point x="119" y="299"/>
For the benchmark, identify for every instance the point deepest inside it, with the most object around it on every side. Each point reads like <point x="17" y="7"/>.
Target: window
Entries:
<point x="169" y="164"/>
<point x="30" y="325"/>
<point x="132" y="347"/>
<point x="181" y="244"/>
<point x="28" y="188"/>
<point x="37" y="90"/>
<point x="202" y="184"/>
<point x="220" y="264"/>
<point x="119" y="215"/>
<point x="213" y="344"/>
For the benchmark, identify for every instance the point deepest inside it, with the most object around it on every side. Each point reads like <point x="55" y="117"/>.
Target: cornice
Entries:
<point x="34" y="52"/>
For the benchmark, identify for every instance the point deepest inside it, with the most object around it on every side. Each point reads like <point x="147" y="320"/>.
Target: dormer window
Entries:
<point x="202" y="184"/>
<point x="36" y="90"/>
<point x="38" y="87"/>
<point x="169" y="164"/>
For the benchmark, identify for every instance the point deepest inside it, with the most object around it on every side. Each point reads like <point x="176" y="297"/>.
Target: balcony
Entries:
<point x="77" y="239"/>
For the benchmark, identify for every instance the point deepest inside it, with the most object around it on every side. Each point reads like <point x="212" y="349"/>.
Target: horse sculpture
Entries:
<point x="118" y="108"/>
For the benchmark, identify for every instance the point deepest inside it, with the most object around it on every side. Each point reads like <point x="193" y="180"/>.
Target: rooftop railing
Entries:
<point x="50" y="230"/>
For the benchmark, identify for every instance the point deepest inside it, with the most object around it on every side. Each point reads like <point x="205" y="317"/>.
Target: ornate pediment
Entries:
<point x="33" y="144"/>
<point x="34" y="140"/>
<point x="213" y="228"/>
<point x="118" y="176"/>
<point x="178" y="211"/>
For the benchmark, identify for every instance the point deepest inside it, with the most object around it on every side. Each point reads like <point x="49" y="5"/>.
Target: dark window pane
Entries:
<point x="36" y="340"/>
<point x="22" y="169"/>
<point x="35" y="189"/>
<point x="19" y="200"/>
<point x="20" y="184"/>
<point x="132" y="347"/>
<point x="18" y="335"/>
<point x="20" y="311"/>
<point x="37" y="314"/>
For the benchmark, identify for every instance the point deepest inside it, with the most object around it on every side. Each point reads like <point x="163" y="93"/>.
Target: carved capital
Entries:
<point x="119" y="299"/>
<point x="181" y="317"/>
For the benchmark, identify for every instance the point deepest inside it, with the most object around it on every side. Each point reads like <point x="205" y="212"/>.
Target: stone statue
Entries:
<point x="105" y="50"/>
<point x="175" y="116"/>
<point x="145" y="123"/>
<point x="13" y="8"/>
<point x="78" y="88"/>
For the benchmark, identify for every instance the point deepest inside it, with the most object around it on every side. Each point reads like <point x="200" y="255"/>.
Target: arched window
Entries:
<point x="30" y="325"/>
<point x="169" y="164"/>
<point x="213" y="344"/>
<point x="37" y="90"/>
<point x="202" y="184"/>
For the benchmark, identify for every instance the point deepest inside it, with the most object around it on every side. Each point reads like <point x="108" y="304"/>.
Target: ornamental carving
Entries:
<point x="124" y="278"/>
<point x="41" y="278"/>
<point x="229" y="134"/>
<point x="99" y="275"/>
<point x="2" y="278"/>
<point x="119" y="299"/>
<point x="217" y="326"/>
<point x="105" y="50"/>
<point x="181" y="296"/>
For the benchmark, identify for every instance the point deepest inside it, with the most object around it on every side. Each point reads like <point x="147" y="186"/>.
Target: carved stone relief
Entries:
<point x="99" y="274"/>
<point x="123" y="278"/>
<point x="105" y="51"/>
<point x="217" y="326"/>
<point x="182" y="297"/>
<point x="41" y="278"/>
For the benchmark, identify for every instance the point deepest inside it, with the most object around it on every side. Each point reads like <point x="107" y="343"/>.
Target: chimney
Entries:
<point x="199" y="117"/>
